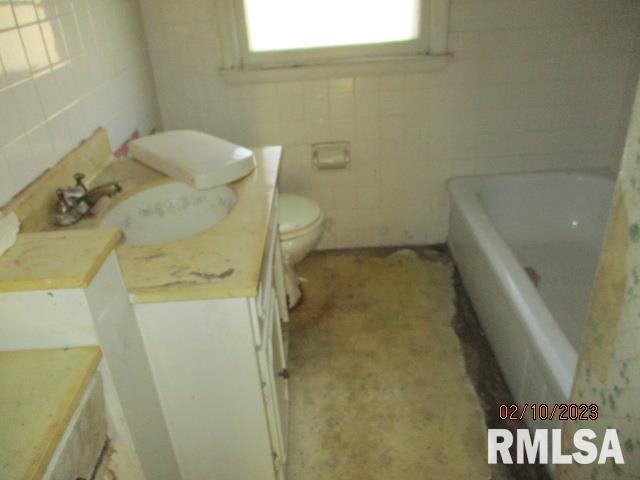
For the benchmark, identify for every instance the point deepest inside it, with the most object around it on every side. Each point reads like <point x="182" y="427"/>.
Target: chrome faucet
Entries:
<point x="77" y="201"/>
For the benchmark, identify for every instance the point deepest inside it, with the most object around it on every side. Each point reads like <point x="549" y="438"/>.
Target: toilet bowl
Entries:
<point x="301" y="223"/>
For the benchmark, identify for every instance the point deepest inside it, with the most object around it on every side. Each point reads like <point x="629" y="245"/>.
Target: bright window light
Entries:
<point x="299" y="24"/>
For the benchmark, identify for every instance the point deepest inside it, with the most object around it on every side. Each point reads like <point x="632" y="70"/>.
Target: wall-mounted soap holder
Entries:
<point x="331" y="155"/>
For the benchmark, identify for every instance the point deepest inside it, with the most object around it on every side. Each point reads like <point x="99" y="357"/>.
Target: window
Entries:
<point x="281" y="34"/>
<point x="303" y="24"/>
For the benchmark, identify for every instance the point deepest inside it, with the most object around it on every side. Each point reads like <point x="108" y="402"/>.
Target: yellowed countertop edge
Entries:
<point x="113" y="237"/>
<point x="48" y="445"/>
<point x="189" y="292"/>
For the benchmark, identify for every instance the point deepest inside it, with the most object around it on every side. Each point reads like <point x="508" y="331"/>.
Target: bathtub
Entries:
<point x="552" y="224"/>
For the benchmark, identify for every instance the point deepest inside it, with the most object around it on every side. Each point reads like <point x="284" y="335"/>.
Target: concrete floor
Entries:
<point x="378" y="383"/>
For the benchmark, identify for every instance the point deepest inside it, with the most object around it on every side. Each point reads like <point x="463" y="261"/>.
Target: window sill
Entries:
<point x="377" y="66"/>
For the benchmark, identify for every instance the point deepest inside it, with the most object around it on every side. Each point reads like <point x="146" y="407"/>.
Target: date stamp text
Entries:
<point x="545" y="411"/>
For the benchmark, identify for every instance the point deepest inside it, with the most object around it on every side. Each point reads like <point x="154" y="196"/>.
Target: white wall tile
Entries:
<point x="341" y="85"/>
<point x="12" y="54"/>
<point x="6" y="179"/>
<point x="341" y="105"/>
<point x="65" y="70"/>
<point x="31" y="112"/>
<point x="54" y="40"/>
<point x="289" y="89"/>
<point x="293" y="133"/>
<point x="71" y="35"/>
<point x="3" y="77"/>
<point x="366" y="103"/>
<point x="35" y="49"/>
<point x="64" y="7"/>
<point x="391" y="83"/>
<point x="41" y="147"/>
<point x="316" y="106"/>
<point x="7" y="19"/>
<point x="342" y="128"/>
<point x="20" y="162"/>
<point x="60" y="134"/>
<point x="24" y="12"/>
<point x="49" y="92"/>
<point x="391" y="102"/>
<point x="291" y="108"/>
<point x="366" y="84"/>
<point x="10" y="120"/>
<point x="533" y="84"/>
<point x="45" y="9"/>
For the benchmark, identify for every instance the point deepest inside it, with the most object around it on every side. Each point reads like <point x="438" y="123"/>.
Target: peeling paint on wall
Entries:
<point x="608" y="372"/>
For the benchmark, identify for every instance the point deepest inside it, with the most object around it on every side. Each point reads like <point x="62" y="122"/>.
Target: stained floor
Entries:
<point x="378" y="383"/>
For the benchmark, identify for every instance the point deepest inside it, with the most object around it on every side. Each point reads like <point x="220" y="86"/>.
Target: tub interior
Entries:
<point x="554" y="225"/>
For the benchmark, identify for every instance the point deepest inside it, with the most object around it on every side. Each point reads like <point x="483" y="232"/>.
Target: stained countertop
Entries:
<point x="39" y="392"/>
<point x="55" y="260"/>
<point x="221" y="262"/>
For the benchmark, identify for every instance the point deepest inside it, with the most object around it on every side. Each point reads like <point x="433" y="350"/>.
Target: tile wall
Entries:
<point x="66" y="68"/>
<point x="534" y="84"/>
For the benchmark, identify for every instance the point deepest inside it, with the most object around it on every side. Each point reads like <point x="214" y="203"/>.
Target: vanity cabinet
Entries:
<point x="193" y="331"/>
<point x="221" y="373"/>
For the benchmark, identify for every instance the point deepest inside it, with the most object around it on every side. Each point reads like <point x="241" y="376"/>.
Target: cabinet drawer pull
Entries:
<point x="284" y="373"/>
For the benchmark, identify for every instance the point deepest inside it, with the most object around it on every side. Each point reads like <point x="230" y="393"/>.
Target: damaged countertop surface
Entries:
<point x="39" y="392"/>
<point x="223" y="261"/>
<point x="55" y="260"/>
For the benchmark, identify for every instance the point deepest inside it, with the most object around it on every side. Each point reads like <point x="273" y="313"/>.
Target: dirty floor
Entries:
<point x="378" y="383"/>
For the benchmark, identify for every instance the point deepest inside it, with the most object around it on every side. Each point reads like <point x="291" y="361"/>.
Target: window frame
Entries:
<point x="237" y="59"/>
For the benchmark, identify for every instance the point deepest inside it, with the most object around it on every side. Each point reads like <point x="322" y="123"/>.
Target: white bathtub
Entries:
<point x="553" y="222"/>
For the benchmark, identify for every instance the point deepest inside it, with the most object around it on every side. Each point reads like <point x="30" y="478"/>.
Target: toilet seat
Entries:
<point x="297" y="215"/>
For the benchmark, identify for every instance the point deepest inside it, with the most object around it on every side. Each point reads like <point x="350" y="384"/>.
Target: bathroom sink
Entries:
<point x="169" y="212"/>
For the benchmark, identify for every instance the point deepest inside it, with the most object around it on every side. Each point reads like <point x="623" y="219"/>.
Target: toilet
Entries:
<point x="301" y="223"/>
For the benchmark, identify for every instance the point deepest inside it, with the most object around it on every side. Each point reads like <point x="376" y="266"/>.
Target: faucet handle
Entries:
<point x="61" y="196"/>
<point x="79" y="177"/>
<point x="63" y="202"/>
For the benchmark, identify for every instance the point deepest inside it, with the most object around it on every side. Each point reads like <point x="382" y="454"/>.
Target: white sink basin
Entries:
<point x="169" y="212"/>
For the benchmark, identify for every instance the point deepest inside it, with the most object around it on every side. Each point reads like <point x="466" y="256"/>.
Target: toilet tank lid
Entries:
<point x="297" y="212"/>
<point x="196" y="158"/>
